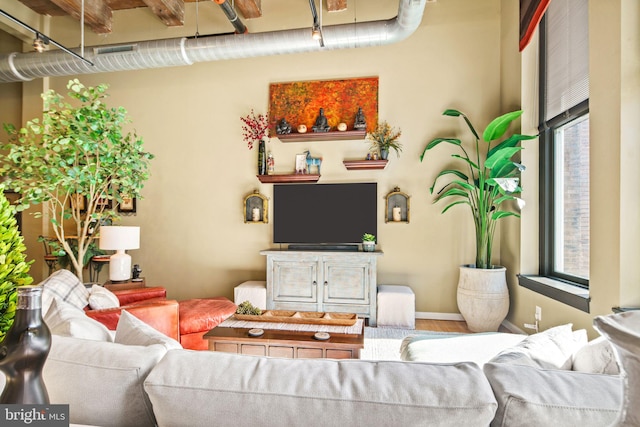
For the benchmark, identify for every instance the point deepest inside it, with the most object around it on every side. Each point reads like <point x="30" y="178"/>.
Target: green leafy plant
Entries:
<point x="487" y="180"/>
<point x="384" y="137"/>
<point x="73" y="161"/>
<point x="65" y="260"/>
<point x="14" y="270"/>
<point x="247" y="308"/>
<point x="366" y="237"/>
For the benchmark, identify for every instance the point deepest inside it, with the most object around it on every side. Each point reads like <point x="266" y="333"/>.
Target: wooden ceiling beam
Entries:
<point x="97" y="14"/>
<point x="171" y="12"/>
<point x="250" y="8"/>
<point x="336" y="5"/>
<point x="43" y="7"/>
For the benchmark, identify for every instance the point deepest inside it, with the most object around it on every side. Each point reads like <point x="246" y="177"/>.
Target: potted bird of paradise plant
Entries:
<point x="487" y="181"/>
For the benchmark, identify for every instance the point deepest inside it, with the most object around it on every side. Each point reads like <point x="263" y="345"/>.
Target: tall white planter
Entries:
<point x="483" y="297"/>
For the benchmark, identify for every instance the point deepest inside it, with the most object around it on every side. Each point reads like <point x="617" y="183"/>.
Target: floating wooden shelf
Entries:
<point x="323" y="136"/>
<point x="281" y="179"/>
<point x="365" y="164"/>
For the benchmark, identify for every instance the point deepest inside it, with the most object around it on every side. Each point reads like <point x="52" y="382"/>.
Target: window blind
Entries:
<point x="567" y="73"/>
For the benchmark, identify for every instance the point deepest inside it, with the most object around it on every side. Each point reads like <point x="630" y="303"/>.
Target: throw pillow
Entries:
<point x="550" y="349"/>
<point x="65" y="319"/>
<point x="623" y="330"/>
<point x="596" y="357"/>
<point x="133" y="331"/>
<point x="66" y="286"/>
<point x="101" y="298"/>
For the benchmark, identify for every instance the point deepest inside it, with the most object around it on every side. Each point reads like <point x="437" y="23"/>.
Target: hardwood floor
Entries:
<point x="442" y="325"/>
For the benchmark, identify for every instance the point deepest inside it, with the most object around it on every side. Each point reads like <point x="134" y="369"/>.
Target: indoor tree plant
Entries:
<point x="14" y="270"/>
<point x="385" y="138"/>
<point x="76" y="161"/>
<point x="487" y="182"/>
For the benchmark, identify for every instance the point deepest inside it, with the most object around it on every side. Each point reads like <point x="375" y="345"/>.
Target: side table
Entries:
<point x="121" y="286"/>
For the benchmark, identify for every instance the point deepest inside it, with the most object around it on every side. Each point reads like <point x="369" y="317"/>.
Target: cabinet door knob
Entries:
<point x="326" y="283"/>
<point x="315" y="283"/>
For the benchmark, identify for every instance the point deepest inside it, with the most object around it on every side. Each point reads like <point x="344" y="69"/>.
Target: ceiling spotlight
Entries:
<point x="39" y="42"/>
<point x="315" y="32"/>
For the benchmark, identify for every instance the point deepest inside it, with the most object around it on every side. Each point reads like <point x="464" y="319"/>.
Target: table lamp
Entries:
<point x="119" y="239"/>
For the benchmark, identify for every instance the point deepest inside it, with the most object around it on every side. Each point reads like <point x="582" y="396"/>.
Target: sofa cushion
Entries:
<point x="101" y="298"/>
<point x="67" y="320"/>
<point x="64" y="285"/>
<point x="101" y="382"/>
<point x="204" y="314"/>
<point x="596" y="357"/>
<point x="533" y="397"/>
<point x="623" y="331"/>
<point x="550" y="349"/>
<point x="133" y="331"/>
<point x="477" y="348"/>
<point x="248" y="390"/>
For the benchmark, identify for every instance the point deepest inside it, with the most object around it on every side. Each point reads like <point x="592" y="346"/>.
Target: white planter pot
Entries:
<point x="483" y="297"/>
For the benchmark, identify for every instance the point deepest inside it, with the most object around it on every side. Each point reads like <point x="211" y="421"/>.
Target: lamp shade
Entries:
<point x="119" y="237"/>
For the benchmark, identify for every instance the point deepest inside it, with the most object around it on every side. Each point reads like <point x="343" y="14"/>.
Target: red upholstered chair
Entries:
<point x="198" y="316"/>
<point x="148" y="304"/>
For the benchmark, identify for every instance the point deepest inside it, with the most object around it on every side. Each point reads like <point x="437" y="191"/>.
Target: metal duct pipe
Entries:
<point x="232" y="16"/>
<point x="173" y="52"/>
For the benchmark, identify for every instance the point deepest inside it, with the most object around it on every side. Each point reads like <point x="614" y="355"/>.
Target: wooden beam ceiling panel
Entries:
<point x="336" y="5"/>
<point x="171" y="12"/>
<point x="43" y="7"/>
<point x="97" y="14"/>
<point x="250" y="8"/>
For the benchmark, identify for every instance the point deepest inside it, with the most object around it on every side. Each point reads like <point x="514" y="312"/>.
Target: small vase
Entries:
<point x="24" y="350"/>
<point x="262" y="158"/>
<point x="384" y="153"/>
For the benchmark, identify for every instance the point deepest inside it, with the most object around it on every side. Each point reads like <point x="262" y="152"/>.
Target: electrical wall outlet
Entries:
<point x="538" y="315"/>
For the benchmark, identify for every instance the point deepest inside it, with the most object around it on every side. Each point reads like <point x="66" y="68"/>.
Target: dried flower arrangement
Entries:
<point x="254" y="128"/>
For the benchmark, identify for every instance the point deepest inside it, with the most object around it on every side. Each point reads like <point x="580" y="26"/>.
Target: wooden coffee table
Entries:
<point x="289" y="344"/>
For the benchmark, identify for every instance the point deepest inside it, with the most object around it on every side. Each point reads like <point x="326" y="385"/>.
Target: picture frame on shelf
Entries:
<point x="301" y="163"/>
<point x="127" y="205"/>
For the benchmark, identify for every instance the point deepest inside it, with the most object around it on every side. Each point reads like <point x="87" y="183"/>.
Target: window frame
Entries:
<point x="568" y="289"/>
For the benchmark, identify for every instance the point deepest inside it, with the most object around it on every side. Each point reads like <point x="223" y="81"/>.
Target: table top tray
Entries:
<point x="306" y="317"/>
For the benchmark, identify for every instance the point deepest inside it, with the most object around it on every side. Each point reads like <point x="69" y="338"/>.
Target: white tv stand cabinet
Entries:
<point x="329" y="281"/>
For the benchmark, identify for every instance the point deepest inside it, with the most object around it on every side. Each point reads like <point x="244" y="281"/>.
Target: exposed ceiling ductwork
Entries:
<point x="15" y="67"/>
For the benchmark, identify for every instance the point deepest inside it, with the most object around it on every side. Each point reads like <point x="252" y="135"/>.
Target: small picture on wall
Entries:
<point x="79" y="201"/>
<point x="103" y="203"/>
<point x="301" y="163"/>
<point x="128" y="204"/>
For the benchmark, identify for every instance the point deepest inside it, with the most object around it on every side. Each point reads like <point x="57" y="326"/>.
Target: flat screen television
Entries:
<point x="319" y="215"/>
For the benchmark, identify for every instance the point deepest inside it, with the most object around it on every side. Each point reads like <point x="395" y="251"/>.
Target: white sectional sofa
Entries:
<point x="139" y="381"/>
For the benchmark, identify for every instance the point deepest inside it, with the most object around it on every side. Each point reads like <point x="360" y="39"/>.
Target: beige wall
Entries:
<point x="464" y="56"/>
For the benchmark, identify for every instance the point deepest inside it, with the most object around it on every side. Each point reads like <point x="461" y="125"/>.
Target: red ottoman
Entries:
<point x="198" y="316"/>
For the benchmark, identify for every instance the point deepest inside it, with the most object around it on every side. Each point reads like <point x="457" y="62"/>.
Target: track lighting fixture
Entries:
<point x="316" y="30"/>
<point x="39" y="42"/>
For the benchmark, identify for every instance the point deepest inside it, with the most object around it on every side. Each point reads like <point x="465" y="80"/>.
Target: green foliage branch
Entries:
<point x="76" y="151"/>
<point x="14" y="270"/>
<point x="486" y="180"/>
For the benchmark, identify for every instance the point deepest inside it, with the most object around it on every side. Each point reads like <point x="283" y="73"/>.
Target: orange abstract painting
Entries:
<point x="300" y="102"/>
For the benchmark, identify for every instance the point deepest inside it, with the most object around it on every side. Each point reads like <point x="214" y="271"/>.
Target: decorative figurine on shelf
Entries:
<point x="271" y="164"/>
<point x="321" y="125"/>
<point x="302" y="129"/>
<point x="135" y="273"/>
<point x="283" y="127"/>
<point x="360" y="123"/>
<point x="313" y="161"/>
<point x="342" y="127"/>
